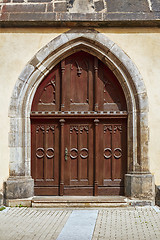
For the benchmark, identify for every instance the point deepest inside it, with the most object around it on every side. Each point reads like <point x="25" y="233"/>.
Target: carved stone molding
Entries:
<point x="110" y="54"/>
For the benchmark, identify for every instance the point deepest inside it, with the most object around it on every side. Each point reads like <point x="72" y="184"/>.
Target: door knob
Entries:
<point x="66" y="154"/>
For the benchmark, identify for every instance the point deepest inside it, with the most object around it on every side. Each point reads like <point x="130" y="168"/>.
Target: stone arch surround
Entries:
<point x="139" y="182"/>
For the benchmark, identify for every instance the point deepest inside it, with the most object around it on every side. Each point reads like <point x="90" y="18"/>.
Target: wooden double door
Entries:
<point x="79" y="130"/>
<point x="79" y="157"/>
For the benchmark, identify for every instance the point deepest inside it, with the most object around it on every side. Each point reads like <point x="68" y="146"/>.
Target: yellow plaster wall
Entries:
<point x="17" y="47"/>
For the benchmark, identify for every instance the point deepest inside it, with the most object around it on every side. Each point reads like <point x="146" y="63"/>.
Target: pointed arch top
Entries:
<point x="92" y="42"/>
<point x="40" y="65"/>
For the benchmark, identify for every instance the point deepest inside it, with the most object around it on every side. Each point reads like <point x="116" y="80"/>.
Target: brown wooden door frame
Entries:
<point x="78" y="89"/>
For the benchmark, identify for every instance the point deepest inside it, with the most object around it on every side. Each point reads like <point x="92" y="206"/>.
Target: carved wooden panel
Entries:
<point x="47" y="97"/>
<point x="79" y="164"/>
<point x="110" y="94"/>
<point x="45" y="156"/>
<point x="79" y="82"/>
<point x="107" y="152"/>
<point x="113" y="156"/>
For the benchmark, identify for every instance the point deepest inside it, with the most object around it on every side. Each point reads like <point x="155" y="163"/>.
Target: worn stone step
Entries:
<point x="79" y="201"/>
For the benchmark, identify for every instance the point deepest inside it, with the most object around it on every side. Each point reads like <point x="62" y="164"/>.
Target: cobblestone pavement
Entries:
<point x="32" y="223"/>
<point x="128" y="224"/>
<point x="112" y="223"/>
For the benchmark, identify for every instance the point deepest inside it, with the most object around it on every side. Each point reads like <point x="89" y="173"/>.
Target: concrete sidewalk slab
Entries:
<point x="80" y="225"/>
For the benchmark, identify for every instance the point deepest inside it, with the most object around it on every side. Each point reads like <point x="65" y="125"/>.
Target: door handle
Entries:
<point x="66" y="154"/>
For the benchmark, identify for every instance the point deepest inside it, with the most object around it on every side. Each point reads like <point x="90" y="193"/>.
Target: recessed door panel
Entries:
<point x="112" y="160"/>
<point x="45" y="157"/>
<point x="78" y="73"/>
<point x="79" y="162"/>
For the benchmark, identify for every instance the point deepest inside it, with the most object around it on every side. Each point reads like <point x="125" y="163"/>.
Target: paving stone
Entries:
<point x="80" y="225"/>
<point x="132" y="223"/>
<point x="30" y="223"/>
<point x="128" y="224"/>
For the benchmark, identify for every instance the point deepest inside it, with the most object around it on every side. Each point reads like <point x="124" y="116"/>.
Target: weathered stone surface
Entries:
<point x="24" y="8"/>
<point x="50" y="7"/>
<point x="157" y="198"/>
<point x="1" y="198"/>
<point x="6" y="1"/>
<point x="127" y="6"/>
<point x="25" y="74"/>
<point x="65" y="19"/>
<point x="60" y="6"/>
<point x="95" y="13"/>
<point x="155" y="5"/>
<point x="140" y="186"/>
<point x="18" y="1"/>
<point x="81" y="6"/>
<point x="99" y="5"/>
<point x="33" y="17"/>
<point x="38" y="1"/>
<point x="19" y="187"/>
<point x="27" y="202"/>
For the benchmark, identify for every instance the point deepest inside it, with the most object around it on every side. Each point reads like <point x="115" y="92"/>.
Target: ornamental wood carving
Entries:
<point x="79" y="83"/>
<point x="78" y="147"/>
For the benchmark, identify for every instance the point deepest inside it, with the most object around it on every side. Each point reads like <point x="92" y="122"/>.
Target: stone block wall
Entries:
<point x="101" y="12"/>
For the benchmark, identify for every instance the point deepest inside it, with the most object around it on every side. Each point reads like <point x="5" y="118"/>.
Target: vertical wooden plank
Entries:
<point x="117" y="152"/>
<point x="124" y="146"/>
<point x="40" y="151"/>
<point x="95" y="84"/>
<point x="96" y="121"/>
<point x="33" y="149"/>
<point x="74" y="152"/>
<point x="79" y="159"/>
<point x="45" y="143"/>
<point x="91" y="84"/>
<point x="56" y="153"/>
<point x="83" y="151"/>
<point x="62" y="121"/>
<point x="62" y="84"/>
<point x="50" y="151"/>
<point x="107" y="169"/>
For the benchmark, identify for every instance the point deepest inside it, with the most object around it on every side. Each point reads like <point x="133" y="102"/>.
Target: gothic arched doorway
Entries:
<point x="79" y="130"/>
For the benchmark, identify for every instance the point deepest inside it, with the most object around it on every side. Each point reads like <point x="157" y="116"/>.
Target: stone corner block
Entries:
<point x="19" y="187"/>
<point x="26" y="202"/>
<point x="157" y="198"/>
<point x="27" y="71"/>
<point x="140" y="186"/>
<point x="1" y="198"/>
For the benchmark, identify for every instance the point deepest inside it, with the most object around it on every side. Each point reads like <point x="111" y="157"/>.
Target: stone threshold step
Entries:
<point x="77" y="202"/>
<point x="80" y="199"/>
